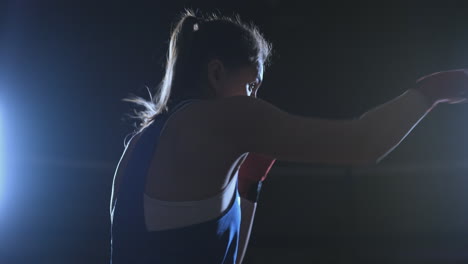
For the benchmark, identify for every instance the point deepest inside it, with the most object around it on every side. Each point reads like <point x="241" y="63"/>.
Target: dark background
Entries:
<point x="65" y="66"/>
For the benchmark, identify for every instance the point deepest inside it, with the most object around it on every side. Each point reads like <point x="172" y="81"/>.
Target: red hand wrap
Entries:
<point x="445" y="86"/>
<point x="252" y="173"/>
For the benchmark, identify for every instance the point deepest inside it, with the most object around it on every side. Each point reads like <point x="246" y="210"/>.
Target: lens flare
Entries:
<point x="2" y="169"/>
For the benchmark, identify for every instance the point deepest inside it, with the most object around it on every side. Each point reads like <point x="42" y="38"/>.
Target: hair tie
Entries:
<point x="197" y="24"/>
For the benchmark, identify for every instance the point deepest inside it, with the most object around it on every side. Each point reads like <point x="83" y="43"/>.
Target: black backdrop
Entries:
<point x="65" y="66"/>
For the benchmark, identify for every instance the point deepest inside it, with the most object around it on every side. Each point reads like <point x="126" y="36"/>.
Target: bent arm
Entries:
<point x="389" y="123"/>
<point x="248" y="213"/>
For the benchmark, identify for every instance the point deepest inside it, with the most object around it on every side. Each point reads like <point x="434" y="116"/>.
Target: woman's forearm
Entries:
<point x="389" y="123"/>
<point x="247" y="217"/>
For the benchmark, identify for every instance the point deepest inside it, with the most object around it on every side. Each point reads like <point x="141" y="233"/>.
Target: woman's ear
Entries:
<point x="216" y="72"/>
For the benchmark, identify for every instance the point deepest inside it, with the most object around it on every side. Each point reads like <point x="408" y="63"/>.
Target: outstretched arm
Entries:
<point x="252" y="173"/>
<point x="248" y="215"/>
<point x="343" y="142"/>
<point x="391" y="122"/>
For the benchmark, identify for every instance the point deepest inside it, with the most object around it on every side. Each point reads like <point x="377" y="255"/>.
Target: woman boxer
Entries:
<point x="186" y="186"/>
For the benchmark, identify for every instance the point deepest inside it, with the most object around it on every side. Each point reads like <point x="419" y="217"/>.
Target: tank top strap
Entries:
<point x="160" y="121"/>
<point x="138" y="164"/>
<point x="213" y="241"/>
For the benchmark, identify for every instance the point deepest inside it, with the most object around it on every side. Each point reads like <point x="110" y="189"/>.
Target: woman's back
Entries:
<point x="190" y="162"/>
<point x="167" y="147"/>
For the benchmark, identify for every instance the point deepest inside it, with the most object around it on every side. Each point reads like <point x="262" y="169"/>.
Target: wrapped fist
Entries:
<point x="252" y="173"/>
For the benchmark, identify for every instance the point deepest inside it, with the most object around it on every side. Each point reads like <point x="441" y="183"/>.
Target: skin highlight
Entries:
<point x="226" y="82"/>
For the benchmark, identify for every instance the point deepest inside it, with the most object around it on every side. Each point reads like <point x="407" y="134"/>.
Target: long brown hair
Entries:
<point x="195" y="40"/>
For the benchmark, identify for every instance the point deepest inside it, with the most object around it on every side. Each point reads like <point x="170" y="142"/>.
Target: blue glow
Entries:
<point x="2" y="167"/>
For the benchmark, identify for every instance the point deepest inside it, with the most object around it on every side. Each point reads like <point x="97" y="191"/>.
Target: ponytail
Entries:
<point x="194" y="41"/>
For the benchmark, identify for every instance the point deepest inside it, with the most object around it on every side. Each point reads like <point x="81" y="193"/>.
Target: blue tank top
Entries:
<point x="214" y="241"/>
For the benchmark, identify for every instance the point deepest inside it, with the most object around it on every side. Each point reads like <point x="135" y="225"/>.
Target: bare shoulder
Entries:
<point x="251" y="124"/>
<point x="225" y="111"/>
<point x="236" y="117"/>
<point x="241" y="111"/>
<point x="222" y="121"/>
